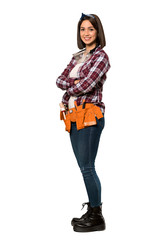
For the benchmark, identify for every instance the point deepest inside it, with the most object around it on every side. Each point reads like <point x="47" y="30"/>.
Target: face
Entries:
<point x="88" y="33"/>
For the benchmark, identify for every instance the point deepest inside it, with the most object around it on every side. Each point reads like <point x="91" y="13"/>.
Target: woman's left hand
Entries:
<point x="76" y="81"/>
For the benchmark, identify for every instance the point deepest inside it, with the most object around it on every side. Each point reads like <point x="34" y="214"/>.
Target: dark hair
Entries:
<point x="96" y="22"/>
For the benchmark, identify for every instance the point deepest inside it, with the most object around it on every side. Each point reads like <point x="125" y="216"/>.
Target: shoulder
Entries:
<point x="100" y="53"/>
<point x="101" y="57"/>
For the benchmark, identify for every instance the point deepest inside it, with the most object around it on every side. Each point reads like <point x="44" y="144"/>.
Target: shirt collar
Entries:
<point x="83" y="50"/>
<point x="92" y="50"/>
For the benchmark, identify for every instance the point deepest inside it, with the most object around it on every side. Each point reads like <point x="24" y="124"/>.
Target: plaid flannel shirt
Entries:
<point x="92" y="75"/>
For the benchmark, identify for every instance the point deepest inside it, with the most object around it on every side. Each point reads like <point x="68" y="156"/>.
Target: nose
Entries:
<point x="86" y="32"/>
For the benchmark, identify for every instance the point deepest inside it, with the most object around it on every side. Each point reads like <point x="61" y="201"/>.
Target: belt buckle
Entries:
<point x="70" y="111"/>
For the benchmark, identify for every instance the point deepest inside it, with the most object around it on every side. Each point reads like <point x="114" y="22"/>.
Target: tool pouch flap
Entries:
<point x="67" y="122"/>
<point x="97" y="112"/>
<point x="90" y="117"/>
<point x="61" y="115"/>
<point x="80" y="113"/>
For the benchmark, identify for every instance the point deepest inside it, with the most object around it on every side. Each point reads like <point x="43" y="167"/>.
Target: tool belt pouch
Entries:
<point x="91" y="114"/>
<point x="80" y="114"/>
<point x="90" y="118"/>
<point x="98" y="112"/>
<point x="67" y="121"/>
<point x="61" y="115"/>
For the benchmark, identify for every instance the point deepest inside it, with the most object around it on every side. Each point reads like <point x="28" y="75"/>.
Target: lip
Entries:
<point x="87" y="38"/>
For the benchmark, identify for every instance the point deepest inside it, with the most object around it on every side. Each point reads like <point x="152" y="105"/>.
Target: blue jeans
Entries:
<point x="85" y="145"/>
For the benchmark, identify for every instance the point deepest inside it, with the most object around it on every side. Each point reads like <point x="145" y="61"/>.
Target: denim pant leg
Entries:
<point x="85" y="144"/>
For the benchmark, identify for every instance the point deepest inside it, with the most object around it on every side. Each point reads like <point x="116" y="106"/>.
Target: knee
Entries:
<point x="88" y="171"/>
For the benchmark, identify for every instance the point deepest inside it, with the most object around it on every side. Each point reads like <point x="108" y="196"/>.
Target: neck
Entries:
<point x="90" y="47"/>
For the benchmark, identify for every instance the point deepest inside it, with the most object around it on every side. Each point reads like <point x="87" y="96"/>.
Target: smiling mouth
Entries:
<point x="87" y="39"/>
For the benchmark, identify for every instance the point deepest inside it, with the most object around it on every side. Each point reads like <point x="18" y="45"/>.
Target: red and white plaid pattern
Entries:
<point x="92" y="76"/>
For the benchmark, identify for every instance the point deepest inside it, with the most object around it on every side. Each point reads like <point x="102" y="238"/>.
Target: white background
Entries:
<point x="41" y="187"/>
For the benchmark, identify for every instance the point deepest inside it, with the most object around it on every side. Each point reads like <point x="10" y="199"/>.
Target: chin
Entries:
<point x="88" y="43"/>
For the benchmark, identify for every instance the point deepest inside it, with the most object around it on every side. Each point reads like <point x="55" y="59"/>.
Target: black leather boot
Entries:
<point x="84" y="216"/>
<point x="93" y="222"/>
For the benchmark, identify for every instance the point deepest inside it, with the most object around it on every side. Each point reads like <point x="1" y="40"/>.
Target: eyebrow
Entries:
<point x="88" y="27"/>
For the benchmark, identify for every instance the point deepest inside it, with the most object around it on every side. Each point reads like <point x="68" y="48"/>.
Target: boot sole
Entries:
<point x="89" y="229"/>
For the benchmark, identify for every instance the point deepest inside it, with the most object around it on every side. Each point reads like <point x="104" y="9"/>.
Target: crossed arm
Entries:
<point x="77" y="87"/>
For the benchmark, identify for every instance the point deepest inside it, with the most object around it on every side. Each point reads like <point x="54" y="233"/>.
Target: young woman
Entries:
<point x="84" y="110"/>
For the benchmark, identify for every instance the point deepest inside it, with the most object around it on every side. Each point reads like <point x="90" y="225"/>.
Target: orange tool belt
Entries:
<point x="84" y="116"/>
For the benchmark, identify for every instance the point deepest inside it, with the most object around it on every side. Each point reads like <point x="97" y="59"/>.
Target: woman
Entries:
<point x="83" y="115"/>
